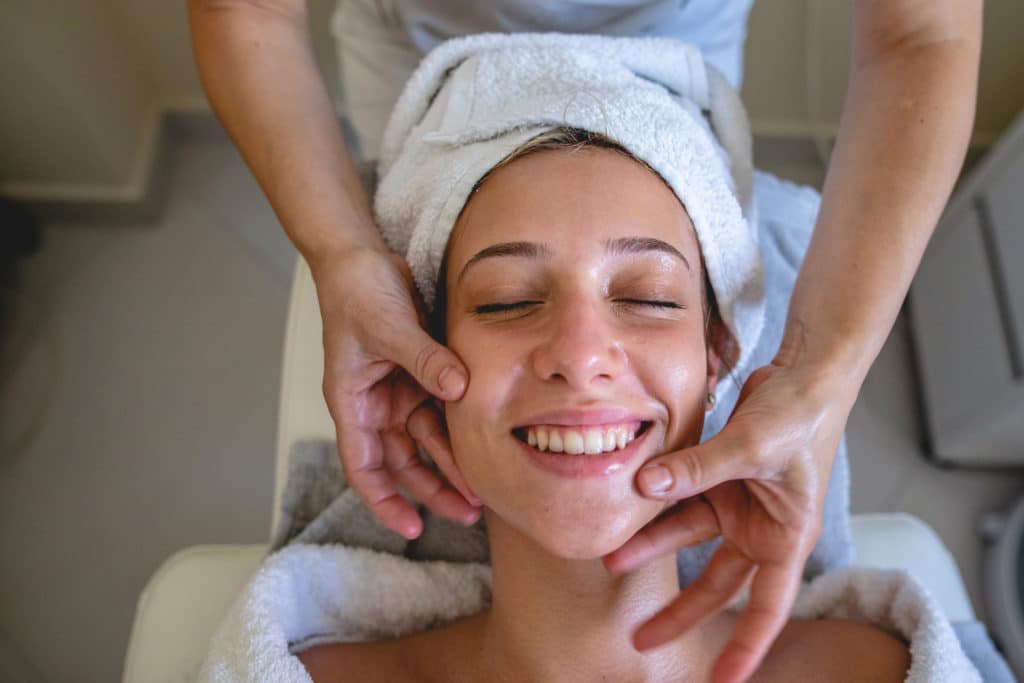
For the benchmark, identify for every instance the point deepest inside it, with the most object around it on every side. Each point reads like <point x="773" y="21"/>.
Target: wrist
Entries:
<point x="325" y="260"/>
<point x="835" y="362"/>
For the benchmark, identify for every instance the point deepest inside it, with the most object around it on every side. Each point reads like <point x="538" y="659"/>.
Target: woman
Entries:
<point x="599" y="332"/>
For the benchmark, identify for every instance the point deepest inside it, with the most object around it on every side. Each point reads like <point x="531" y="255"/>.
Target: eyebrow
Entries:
<point x="618" y="247"/>
<point x="640" y="245"/>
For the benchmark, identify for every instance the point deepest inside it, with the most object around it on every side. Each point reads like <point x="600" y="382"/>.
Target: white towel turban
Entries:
<point x="473" y="100"/>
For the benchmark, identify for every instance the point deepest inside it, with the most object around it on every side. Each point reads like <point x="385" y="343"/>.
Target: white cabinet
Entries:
<point x="966" y="308"/>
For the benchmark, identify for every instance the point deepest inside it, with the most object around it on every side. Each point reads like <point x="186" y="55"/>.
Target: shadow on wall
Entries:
<point x="13" y="665"/>
<point x="20" y="236"/>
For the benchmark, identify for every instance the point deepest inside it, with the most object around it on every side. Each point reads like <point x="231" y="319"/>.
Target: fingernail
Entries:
<point x="452" y="381"/>
<point x="656" y="479"/>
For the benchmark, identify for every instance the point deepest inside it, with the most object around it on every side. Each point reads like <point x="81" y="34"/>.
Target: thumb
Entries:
<point x="433" y="366"/>
<point x="690" y="471"/>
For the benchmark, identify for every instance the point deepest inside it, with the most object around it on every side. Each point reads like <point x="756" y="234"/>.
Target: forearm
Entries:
<point x="905" y="128"/>
<point x="258" y="71"/>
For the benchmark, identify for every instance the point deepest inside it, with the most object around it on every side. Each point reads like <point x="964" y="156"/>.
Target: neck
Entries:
<point x="556" y="619"/>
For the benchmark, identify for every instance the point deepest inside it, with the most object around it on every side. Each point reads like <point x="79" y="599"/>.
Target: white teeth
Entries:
<point x="575" y="442"/>
<point x="555" y="442"/>
<point x="593" y="442"/>
<point x="608" y="443"/>
<point x="572" y="442"/>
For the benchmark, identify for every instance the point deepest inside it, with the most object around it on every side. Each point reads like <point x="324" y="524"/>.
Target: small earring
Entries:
<point x="711" y="399"/>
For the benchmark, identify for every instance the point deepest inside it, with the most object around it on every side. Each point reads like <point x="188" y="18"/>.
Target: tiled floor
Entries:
<point x="146" y="401"/>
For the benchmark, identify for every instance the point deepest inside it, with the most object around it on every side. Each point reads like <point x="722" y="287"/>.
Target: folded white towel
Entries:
<point x="306" y="595"/>
<point x="473" y="100"/>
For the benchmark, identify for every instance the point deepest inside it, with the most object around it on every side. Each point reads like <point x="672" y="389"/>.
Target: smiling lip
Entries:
<point x="584" y="418"/>
<point x="585" y="466"/>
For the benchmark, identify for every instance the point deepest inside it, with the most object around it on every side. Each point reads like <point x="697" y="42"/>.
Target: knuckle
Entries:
<point x="751" y="446"/>
<point x="331" y="396"/>
<point x="690" y="470"/>
<point x="330" y="385"/>
<point x="716" y="584"/>
<point x="421" y="424"/>
<point x="424" y="359"/>
<point x="334" y="394"/>
<point x="414" y="423"/>
<point x="403" y="461"/>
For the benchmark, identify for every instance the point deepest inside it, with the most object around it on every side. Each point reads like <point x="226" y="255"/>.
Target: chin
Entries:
<point x="588" y="549"/>
<point x="574" y="537"/>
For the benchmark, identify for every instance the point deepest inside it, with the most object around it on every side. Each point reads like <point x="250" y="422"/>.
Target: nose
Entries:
<point x="581" y="348"/>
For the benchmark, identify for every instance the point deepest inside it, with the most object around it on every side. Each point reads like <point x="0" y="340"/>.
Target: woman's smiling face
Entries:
<point x="574" y="298"/>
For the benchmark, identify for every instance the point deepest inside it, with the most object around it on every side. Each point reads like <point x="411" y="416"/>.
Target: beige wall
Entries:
<point x="780" y="31"/>
<point x="61" y="122"/>
<point x="159" y="29"/>
<point x="84" y="81"/>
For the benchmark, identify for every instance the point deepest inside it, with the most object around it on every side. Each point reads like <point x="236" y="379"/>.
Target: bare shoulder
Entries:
<point x="346" y="662"/>
<point x="411" y="658"/>
<point x="841" y="650"/>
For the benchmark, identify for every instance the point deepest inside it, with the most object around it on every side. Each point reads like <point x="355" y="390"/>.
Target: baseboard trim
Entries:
<point x="141" y="199"/>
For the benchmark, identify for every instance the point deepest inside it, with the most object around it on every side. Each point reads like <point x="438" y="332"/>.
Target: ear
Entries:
<point x="719" y="343"/>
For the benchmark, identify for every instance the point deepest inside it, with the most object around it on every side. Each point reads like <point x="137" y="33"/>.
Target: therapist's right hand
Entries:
<point x="380" y="368"/>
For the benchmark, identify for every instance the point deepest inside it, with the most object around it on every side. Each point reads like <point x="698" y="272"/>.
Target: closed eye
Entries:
<point x="654" y="304"/>
<point x="500" y="308"/>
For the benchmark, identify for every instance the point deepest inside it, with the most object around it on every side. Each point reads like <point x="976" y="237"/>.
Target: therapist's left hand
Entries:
<point x="763" y="478"/>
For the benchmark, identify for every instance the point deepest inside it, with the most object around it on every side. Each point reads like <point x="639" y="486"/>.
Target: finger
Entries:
<point x="693" y="521"/>
<point x="414" y="414"/>
<point x="771" y="596"/>
<point x="432" y="365"/>
<point x="691" y="471"/>
<point x="426" y="427"/>
<point x="415" y="476"/>
<point x="712" y="591"/>
<point x="362" y="458"/>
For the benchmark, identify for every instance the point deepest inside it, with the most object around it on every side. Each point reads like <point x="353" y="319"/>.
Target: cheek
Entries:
<point x="473" y="424"/>
<point x="463" y="418"/>
<point x="473" y="420"/>
<point x="494" y="366"/>
<point x="678" y="378"/>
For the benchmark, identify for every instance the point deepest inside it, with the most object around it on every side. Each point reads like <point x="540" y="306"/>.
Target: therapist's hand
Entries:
<point x="379" y="365"/>
<point x="763" y="478"/>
